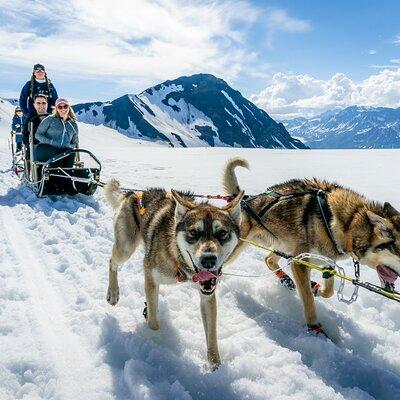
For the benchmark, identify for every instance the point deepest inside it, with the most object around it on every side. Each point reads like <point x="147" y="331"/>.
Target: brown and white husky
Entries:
<point x="365" y="230"/>
<point x="182" y="241"/>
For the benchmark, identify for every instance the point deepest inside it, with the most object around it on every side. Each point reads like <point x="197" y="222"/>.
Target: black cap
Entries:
<point x="17" y="109"/>
<point x="38" y="66"/>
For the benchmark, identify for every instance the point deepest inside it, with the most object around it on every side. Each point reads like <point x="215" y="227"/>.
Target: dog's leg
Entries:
<point x="119" y="256"/>
<point x="151" y="290"/>
<point x="113" y="288"/>
<point x="272" y="263"/>
<point x="327" y="290"/>
<point x="208" y="306"/>
<point x="127" y="237"/>
<point x="301" y="275"/>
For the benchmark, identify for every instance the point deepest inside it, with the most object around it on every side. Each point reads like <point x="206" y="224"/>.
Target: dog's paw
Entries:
<point x="153" y="324"/>
<point x="214" y="366"/>
<point x="113" y="296"/>
<point x="214" y="361"/>
<point x="317" y="330"/>
<point x="315" y="287"/>
<point x="285" y="280"/>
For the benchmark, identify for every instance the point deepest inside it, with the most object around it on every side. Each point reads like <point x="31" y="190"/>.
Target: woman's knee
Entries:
<point x="44" y="152"/>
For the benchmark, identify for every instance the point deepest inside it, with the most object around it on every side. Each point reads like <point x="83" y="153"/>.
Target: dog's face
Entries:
<point x="207" y="235"/>
<point x="384" y="250"/>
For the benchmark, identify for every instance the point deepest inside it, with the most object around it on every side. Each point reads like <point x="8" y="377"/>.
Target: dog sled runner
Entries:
<point x="50" y="178"/>
<point x="18" y="164"/>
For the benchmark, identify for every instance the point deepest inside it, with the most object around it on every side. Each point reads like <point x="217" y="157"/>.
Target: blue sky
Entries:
<point x="290" y="57"/>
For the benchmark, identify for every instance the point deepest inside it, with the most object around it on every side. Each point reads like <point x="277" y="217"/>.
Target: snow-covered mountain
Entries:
<point x="193" y="111"/>
<point x="6" y="112"/>
<point x="14" y="102"/>
<point x="351" y="128"/>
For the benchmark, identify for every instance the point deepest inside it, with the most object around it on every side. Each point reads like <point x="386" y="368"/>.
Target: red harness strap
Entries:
<point x="139" y="202"/>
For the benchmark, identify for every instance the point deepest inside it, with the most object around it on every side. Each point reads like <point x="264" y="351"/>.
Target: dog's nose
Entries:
<point x="208" y="261"/>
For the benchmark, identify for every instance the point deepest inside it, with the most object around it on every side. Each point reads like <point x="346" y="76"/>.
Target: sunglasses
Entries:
<point x="39" y="70"/>
<point x="64" y="107"/>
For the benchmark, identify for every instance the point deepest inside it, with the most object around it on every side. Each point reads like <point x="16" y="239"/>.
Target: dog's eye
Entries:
<point x="193" y="233"/>
<point x="222" y="234"/>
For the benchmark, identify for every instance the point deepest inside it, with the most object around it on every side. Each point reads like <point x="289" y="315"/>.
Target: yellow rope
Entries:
<point x="302" y="262"/>
<point x="311" y="265"/>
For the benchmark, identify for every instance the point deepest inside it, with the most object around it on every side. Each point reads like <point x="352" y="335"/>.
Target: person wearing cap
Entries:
<point x="38" y="84"/>
<point x="16" y="127"/>
<point x="57" y="133"/>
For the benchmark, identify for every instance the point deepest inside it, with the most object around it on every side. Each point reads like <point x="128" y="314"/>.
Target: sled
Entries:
<point x="49" y="178"/>
<point x="18" y="164"/>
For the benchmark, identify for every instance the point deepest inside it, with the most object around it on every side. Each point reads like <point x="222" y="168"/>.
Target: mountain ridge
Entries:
<point x="190" y="111"/>
<point x="354" y="127"/>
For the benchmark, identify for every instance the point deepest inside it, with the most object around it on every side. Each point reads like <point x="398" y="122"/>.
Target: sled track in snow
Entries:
<point x="67" y="354"/>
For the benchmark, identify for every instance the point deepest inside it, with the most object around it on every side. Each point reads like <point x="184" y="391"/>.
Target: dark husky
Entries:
<point x="367" y="231"/>
<point x="182" y="241"/>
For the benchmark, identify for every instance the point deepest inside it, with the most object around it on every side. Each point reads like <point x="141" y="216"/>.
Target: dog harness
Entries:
<point x="139" y="202"/>
<point x="323" y="206"/>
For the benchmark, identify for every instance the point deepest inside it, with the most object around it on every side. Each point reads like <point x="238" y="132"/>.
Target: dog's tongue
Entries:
<point x="387" y="274"/>
<point x="203" y="276"/>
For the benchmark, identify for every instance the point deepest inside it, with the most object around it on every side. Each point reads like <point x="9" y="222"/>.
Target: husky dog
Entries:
<point x="182" y="241"/>
<point x="365" y="230"/>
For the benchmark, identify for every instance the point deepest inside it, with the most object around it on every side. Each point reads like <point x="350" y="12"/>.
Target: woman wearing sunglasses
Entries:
<point x="57" y="133"/>
<point x="38" y="84"/>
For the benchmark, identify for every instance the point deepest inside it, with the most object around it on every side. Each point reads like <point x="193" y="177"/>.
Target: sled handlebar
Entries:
<point x="66" y="154"/>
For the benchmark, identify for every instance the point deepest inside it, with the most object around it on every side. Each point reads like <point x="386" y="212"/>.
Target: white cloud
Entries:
<point x="291" y="95"/>
<point x="278" y="20"/>
<point x="397" y="40"/>
<point x="372" y="52"/>
<point x="389" y="66"/>
<point x="138" y="40"/>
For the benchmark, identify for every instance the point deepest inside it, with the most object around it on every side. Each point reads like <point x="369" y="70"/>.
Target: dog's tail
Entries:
<point x="113" y="193"/>
<point x="229" y="180"/>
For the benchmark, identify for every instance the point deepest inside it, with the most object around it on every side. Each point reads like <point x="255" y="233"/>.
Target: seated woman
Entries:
<point x="56" y="134"/>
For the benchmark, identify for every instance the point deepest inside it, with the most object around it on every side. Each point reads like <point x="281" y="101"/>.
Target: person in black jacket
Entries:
<point x="33" y="121"/>
<point x="16" y="127"/>
<point x="38" y="84"/>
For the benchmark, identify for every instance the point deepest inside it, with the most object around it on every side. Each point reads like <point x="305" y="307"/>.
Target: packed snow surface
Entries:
<point x="59" y="339"/>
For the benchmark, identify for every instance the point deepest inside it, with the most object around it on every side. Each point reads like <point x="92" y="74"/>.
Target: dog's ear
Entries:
<point x="182" y="204"/>
<point x="390" y="211"/>
<point x="234" y="209"/>
<point x="382" y="226"/>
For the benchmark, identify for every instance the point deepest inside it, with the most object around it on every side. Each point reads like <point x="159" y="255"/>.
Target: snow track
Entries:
<point x="59" y="339"/>
<point x="65" y="353"/>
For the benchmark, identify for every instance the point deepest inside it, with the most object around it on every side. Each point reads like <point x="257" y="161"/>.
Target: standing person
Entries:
<point x="38" y="84"/>
<point x="57" y="133"/>
<point x="16" y="127"/>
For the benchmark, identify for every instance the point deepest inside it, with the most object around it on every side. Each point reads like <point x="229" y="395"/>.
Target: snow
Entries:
<point x="232" y="102"/>
<point x="169" y="122"/>
<point x="59" y="339"/>
<point x="6" y="114"/>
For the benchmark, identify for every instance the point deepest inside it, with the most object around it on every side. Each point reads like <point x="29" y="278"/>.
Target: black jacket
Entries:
<point x="32" y="123"/>
<point x="26" y="98"/>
